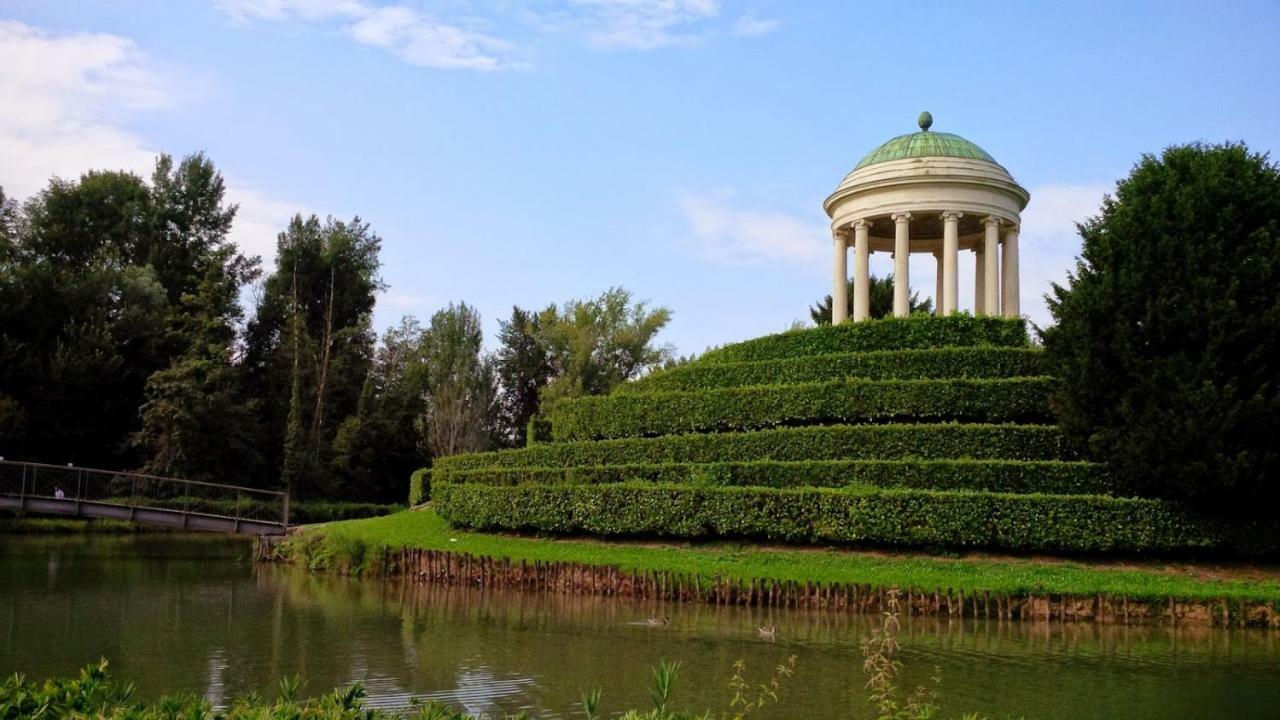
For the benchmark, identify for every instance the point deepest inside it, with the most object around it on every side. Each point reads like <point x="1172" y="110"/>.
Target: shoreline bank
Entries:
<point x="419" y="545"/>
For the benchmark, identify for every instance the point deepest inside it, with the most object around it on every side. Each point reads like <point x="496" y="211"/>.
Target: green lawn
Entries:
<point x="424" y="529"/>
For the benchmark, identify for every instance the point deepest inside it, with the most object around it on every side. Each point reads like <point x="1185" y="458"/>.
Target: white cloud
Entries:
<point x="643" y="24"/>
<point x="404" y="31"/>
<point x="66" y="98"/>
<point x="749" y="25"/>
<point x="736" y="235"/>
<point x="1048" y="243"/>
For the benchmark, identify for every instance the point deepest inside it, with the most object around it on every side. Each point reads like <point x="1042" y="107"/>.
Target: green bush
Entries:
<point x="750" y="408"/>
<point x="951" y="362"/>
<point x="864" y="516"/>
<point x="1012" y="476"/>
<point x="301" y="512"/>
<point x="1167" y="336"/>
<point x="538" y="430"/>
<point x="419" y="486"/>
<point x="884" y="334"/>
<point x="833" y="442"/>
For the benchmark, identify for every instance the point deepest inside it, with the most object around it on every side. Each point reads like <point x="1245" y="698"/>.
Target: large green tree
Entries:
<point x="881" y="294"/>
<point x="524" y="367"/>
<point x="100" y="289"/>
<point x="309" y="347"/>
<point x="376" y="449"/>
<point x="1167" y="334"/>
<point x="596" y="343"/>
<point x="461" y="383"/>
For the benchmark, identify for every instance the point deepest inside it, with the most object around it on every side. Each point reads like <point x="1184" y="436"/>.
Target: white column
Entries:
<point x="901" y="274"/>
<point x="861" y="270"/>
<point x="1009" y="281"/>
<point x="991" y="291"/>
<point x="950" y="262"/>
<point x="979" y="282"/>
<point x="840" y="279"/>
<point x="937" y="284"/>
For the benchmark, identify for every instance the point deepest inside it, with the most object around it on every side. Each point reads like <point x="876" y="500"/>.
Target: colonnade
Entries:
<point x="995" y="278"/>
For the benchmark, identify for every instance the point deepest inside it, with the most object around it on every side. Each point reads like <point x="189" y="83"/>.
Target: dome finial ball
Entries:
<point x="925" y="121"/>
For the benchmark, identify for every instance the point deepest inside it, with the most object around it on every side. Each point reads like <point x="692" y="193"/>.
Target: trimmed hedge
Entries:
<point x="831" y="442"/>
<point x="301" y="512"/>
<point x="751" y="408"/>
<point x="898" y="517"/>
<point x="951" y="362"/>
<point x="920" y="331"/>
<point x="419" y="486"/>
<point x="1012" y="476"/>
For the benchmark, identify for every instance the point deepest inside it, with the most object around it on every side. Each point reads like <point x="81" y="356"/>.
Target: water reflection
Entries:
<point x="194" y="615"/>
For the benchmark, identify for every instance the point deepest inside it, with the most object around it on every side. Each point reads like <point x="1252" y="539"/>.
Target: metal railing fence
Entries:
<point x="137" y="490"/>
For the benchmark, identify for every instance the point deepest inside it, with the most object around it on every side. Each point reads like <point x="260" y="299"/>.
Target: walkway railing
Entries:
<point x="185" y="504"/>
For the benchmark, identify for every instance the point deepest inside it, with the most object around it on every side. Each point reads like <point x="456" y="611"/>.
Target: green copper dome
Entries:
<point x="925" y="144"/>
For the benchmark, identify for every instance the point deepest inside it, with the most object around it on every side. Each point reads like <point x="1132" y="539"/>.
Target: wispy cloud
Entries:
<point x="748" y="25"/>
<point x="1048" y="243"/>
<point x="642" y="24"/>
<point x="66" y="99"/>
<point x="404" y="31"/>
<point x="468" y="43"/>
<point x="731" y="233"/>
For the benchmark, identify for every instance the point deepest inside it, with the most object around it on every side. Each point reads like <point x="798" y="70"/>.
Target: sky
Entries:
<point x="524" y="153"/>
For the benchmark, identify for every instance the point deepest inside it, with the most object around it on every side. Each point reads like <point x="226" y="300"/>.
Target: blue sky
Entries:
<point x="528" y="153"/>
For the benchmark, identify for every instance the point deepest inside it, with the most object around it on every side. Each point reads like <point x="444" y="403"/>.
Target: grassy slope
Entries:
<point x="425" y="529"/>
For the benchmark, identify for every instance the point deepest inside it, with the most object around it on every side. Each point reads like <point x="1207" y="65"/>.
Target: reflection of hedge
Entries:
<point x="1028" y="523"/>
<point x="953" y="362"/>
<point x="750" y="408"/>
<point x="884" y="334"/>
<point x="834" y="442"/>
<point x="1014" y="476"/>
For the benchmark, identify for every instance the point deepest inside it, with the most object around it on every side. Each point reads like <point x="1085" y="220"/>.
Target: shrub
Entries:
<point x="874" y="516"/>
<point x="537" y="431"/>
<point x="1013" y="476"/>
<point x="1167" y="336"/>
<point x="419" y="486"/>
<point x="301" y="512"/>
<point x="750" y="408"/>
<point x="884" y="334"/>
<point x="952" y="362"/>
<point x="834" y="442"/>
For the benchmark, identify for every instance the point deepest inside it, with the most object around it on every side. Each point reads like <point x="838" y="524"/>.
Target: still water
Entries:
<point x="182" y="614"/>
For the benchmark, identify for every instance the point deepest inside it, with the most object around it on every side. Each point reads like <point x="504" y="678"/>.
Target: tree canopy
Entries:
<point x="881" y="292"/>
<point x="1167" y="334"/>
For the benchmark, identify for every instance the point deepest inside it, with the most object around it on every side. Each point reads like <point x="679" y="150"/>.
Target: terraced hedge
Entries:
<point x="1012" y="476"/>
<point x="954" y="362"/>
<point x="1024" y="523"/>
<point x="885" y="334"/>
<point x="751" y="408"/>
<point x="834" y="442"/>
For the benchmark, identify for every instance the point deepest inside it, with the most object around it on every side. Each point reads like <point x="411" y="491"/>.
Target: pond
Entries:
<point x="193" y="614"/>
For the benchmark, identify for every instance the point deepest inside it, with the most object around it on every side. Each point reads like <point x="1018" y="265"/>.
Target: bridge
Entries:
<point x="171" y="502"/>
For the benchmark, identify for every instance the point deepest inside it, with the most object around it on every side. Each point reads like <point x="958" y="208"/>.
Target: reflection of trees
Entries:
<point x="198" y="619"/>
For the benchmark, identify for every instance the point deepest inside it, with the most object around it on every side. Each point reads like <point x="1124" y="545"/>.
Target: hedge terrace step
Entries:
<point x="864" y="516"/>
<point x="1010" y="476"/>
<point x="830" y="442"/>
<point x="756" y="407"/>
<point x="885" y="334"/>
<point x="952" y="362"/>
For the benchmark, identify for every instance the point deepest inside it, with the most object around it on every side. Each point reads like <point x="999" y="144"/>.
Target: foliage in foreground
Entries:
<point x="1167" y="335"/>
